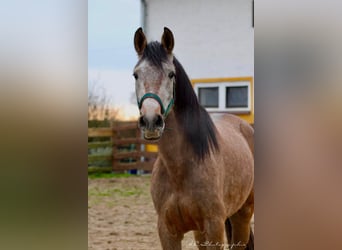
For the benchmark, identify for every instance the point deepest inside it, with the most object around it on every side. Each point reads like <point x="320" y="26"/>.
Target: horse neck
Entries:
<point x="172" y="146"/>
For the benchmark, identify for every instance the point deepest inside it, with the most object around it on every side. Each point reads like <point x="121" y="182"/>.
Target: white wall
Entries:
<point x="212" y="38"/>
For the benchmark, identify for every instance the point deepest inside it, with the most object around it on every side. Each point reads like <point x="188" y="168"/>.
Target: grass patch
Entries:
<point x="115" y="192"/>
<point x="128" y="192"/>
<point x="115" y="196"/>
<point x="108" y="175"/>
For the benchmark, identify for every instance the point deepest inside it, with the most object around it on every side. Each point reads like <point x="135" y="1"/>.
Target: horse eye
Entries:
<point x="135" y="76"/>
<point x="171" y="75"/>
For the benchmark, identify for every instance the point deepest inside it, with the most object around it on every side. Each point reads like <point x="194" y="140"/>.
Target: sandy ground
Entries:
<point x="121" y="215"/>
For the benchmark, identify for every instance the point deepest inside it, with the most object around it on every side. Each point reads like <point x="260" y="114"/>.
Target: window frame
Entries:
<point x="210" y="87"/>
<point x="222" y="84"/>
<point x="239" y="84"/>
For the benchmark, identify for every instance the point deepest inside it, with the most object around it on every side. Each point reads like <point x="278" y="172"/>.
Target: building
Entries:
<point x="214" y="41"/>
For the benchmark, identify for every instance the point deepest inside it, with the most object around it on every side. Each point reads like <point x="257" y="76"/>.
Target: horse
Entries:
<point x="203" y="177"/>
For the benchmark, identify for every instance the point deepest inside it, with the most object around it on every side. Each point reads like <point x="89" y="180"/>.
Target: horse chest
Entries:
<point x="182" y="213"/>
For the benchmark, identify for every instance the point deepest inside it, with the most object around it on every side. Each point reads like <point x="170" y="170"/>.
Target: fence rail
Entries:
<point x="100" y="132"/>
<point x="128" y="150"/>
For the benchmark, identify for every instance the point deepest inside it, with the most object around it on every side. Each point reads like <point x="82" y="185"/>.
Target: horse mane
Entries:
<point x="199" y="129"/>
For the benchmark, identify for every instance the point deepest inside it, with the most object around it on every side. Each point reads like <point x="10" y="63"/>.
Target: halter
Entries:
<point x="164" y="111"/>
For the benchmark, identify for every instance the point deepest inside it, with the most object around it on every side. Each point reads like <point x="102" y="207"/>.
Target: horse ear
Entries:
<point x="167" y="40"/>
<point x="139" y="41"/>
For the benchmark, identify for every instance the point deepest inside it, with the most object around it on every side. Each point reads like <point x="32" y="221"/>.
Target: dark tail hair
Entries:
<point x="250" y="243"/>
<point x="228" y="226"/>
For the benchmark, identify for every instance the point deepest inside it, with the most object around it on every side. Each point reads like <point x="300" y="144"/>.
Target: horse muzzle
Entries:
<point x="153" y="113"/>
<point x="152" y="126"/>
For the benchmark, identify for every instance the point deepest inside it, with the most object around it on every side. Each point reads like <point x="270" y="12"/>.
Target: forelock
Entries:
<point x="155" y="54"/>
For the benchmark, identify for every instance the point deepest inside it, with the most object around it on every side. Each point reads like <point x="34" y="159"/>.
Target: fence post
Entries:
<point x="115" y="145"/>
<point x="127" y="135"/>
<point x="139" y="148"/>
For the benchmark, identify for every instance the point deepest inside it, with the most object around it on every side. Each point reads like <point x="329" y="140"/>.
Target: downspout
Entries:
<point x="144" y="15"/>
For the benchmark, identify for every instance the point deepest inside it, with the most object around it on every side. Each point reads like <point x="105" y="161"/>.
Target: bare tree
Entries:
<point x="99" y="103"/>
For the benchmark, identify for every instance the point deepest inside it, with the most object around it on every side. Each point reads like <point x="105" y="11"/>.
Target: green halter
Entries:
<point x="164" y="111"/>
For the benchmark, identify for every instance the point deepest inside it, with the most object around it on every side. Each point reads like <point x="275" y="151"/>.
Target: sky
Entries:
<point x="111" y="54"/>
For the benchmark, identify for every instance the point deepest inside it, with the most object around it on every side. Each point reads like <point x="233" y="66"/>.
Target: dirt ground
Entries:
<point x="121" y="215"/>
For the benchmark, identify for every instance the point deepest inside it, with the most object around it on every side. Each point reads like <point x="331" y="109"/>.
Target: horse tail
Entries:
<point x="248" y="133"/>
<point x="228" y="227"/>
<point x="250" y="244"/>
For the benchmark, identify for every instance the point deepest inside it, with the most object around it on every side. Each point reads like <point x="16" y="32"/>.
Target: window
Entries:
<point x="208" y="97"/>
<point x="237" y="97"/>
<point x="226" y="96"/>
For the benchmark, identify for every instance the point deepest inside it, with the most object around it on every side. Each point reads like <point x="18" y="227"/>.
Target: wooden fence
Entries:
<point x="129" y="150"/>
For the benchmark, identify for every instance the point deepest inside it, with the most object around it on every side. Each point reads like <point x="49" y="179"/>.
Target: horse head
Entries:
<point x="155" y="79"/>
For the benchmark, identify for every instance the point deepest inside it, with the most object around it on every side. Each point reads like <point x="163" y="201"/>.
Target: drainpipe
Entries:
<point x="143" y="15"/>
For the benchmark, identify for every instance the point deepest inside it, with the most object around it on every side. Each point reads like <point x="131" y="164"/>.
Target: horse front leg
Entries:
<point x="200" y="239"/>
<point x="214" y="232"/>
<point x="168" y="240"/>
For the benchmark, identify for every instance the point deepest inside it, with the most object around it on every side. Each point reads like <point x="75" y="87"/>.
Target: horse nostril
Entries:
<point x="151" y="123"/>
<point x="159" y="121"/>
<point x="142" y="122"/>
